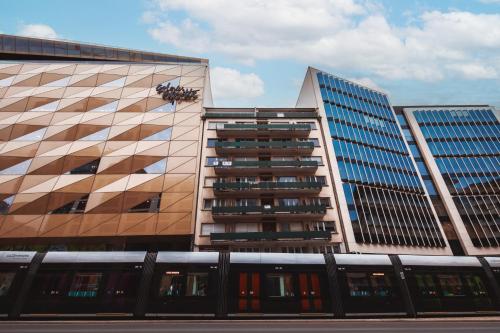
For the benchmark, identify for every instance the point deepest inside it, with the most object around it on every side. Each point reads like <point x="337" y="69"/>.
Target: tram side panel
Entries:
<point x="88" y="287"/>
<point x="448" y="285"/>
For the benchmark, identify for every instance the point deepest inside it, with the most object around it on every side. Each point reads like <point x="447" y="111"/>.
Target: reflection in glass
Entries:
<point x="169" y="107"/>
<point x="85" y="285"/>
<point x="18" y="169"/>
<point x="160" y="136"/>
<point x="5" y="204"/>
<point x="50" y="107"/>
<point x="197" y="284"/>
<point x="110" y="107"/>
<point x="451" y="285"/>
<point x="6" y="279"/>
<point x="157" y="167"/>
<point x="97" y="136"/>
<point x="171" y="284"/>
<point x="116" y="83"/>
<point x="33" y="136"/>
<point x="280" y="285"/>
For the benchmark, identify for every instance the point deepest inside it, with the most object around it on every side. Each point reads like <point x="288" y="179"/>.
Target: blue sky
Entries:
<point x="420" y="52"/>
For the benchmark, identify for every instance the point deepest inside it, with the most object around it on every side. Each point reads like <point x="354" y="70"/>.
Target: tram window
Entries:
<point x="85" y="285"/>
<point x="171" y="284"/>
<point x="197" y="284"/>
<point x="50" y="284"/>
<point x="426" y="285"/>
<point x="6" y="279"/>
<point x="358" y="283"/>
<point x="476" y="285"/>
<point x="280" y="285"/>
<point x="451" y="285"/>
<point x="381" y="284"/>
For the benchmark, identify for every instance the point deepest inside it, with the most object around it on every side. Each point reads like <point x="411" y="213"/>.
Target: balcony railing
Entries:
<point x="267" y="186"/>
<point x="273" y="167"/>
<point x="269" y="130"/>
<point x="270" y="236"/>
<point x="218" y="115"/>
<point x="271" y="144"/>
<point x="265" y="164"/>
<point x="268" y="209"/>
<point x="265" y="127"/>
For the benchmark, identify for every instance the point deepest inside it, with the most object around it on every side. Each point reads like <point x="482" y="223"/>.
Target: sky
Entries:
<point x="419" y="52"/>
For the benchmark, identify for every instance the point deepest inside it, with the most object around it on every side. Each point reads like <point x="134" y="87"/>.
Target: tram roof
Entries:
<point x="17" y="257"/>
<point x="415" y="260"/>
<point x="188" y="257"/>
<point x="94" y="257"/>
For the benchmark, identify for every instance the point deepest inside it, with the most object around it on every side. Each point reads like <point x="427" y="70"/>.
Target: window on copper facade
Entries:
<point x="74" y="207"/>
<point x="88" y="168"/>
<point x="150" y="205"/>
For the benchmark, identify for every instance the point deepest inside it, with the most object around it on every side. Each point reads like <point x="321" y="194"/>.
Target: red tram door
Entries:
<point x="310" y="293"/>
<point x="249" y="292"/>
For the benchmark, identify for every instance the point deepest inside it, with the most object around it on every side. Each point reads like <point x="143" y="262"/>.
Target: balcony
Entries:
<point x="261" y="115"/>
<point x="267" y="167"/>
<point x="245" y="213"/>
<point x="271" y="236"/>
<point x="263" y="130"/>
<point x="275" y="148"/>
<point x="251" y="188"/>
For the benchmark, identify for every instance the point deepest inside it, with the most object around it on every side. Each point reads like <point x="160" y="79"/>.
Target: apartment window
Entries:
<point x="289" y="202"/>
<point x="215" y="125"/>
<point x="208" y="203"/>
<point x="211" y="143"/>
<point x="323" y="226"/>
<point x="209" y="181"/>
<point x="214" y="161"/>
<point x="246" y="227"/>
<point x="208" y="228"/>
<point x="287" y="179"/>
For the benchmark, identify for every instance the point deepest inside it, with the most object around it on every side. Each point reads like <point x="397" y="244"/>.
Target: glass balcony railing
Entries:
<point x="268" y="236"/>
<point x="246" y="186"/>
<point x="268" y="209"/>
<point x="265" y="164"/>
<point x="265" y="145"/>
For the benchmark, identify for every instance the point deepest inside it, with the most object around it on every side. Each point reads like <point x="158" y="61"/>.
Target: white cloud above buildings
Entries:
<point x="37" y="30"/>
<point x="337" y="34"/>
<point x="231" y="84"/>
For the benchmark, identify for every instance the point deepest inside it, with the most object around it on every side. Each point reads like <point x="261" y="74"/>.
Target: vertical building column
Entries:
<point x="222" y="284"/>
<point x="403" y="286"/>
<point x="334" y="287"/>
<point x="26" y="286"/>
<point x="145" y="285"/>
<point x="495" y="288"/>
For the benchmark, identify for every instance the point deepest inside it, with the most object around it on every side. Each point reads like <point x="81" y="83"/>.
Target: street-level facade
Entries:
<point x="99" y="146"/>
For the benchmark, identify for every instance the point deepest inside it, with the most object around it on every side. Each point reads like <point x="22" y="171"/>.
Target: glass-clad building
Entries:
<point x="386" y="200"/>
<point x="461" y="146"/>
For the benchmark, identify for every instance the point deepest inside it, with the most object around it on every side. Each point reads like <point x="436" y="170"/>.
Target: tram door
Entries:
<point x="249" y="292"/>
<point x="310" y="293"/>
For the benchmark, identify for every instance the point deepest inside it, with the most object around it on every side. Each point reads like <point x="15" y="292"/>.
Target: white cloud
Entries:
<point x="37" y="30"/>
<point x="336" y="34"/>
<point x="490" y="1"/>
<point x="228" y="83"/>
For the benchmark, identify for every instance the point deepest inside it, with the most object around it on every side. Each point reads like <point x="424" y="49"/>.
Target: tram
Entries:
<point x="249" y="285"/>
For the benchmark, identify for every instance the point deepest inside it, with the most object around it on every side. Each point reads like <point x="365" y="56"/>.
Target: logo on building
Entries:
<point x="179" y="94"/>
